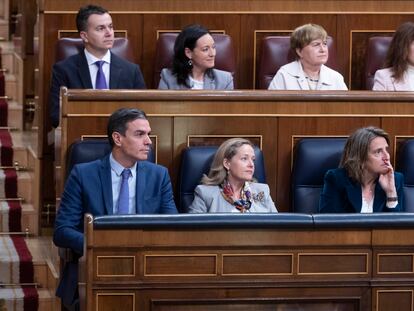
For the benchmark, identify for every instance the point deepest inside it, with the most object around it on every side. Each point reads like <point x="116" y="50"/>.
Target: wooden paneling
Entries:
<point x="270" y="268"/>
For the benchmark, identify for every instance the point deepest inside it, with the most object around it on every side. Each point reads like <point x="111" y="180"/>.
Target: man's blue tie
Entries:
<point x="100" y="76"/>
<point x="123" y="200"/>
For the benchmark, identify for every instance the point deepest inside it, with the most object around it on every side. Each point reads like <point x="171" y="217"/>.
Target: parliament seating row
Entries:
<point x="312" y="158"/>
<point x="275" y="52"/>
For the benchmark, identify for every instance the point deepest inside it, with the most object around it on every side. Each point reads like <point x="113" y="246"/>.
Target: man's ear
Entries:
<point x="84" y="36"/>
<point x="116" y="137"/>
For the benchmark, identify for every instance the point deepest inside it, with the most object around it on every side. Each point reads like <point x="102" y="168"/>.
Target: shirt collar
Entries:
<point x="91" y="59"/>
<point x="298" y="73"/>
<point x="118" y="168"/>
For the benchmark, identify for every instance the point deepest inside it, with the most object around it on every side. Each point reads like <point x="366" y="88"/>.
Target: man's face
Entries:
<point x="135" y="144"/>
<point x="99" y="36"/>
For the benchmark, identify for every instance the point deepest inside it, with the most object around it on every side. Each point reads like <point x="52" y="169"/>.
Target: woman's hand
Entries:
<point x="387" y="181"/>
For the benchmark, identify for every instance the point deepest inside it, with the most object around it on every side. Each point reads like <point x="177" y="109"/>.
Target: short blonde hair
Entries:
<point x="305" y="34"/>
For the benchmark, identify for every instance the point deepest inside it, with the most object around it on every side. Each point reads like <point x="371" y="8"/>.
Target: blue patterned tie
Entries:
<point x="100" y="76"/>
<point x="123" y="200"/>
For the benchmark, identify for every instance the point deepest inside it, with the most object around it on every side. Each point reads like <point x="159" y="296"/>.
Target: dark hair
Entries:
<point x="84" y="13"/>
<point x="118" y="121"/>
<point x="356" y="150"/>
<point x="186" y="39"/>
<point x="397" y="56"/>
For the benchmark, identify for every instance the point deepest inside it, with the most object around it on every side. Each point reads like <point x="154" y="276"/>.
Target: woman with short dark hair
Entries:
<point x="193" y="63"/>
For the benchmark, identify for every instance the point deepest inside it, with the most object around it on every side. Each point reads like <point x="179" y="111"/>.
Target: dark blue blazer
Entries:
<point x="89" y="190"/>
<point x="73" y="72"/>
<point x="341" y="194"/>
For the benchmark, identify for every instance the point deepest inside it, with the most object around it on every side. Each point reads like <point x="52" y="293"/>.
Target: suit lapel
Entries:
<point x="354" y="193"/>
<point x="106" y="183"/>
<point x="379" y="199"/>
<point x="115" y="72"/>
<point x="140" y="187"/>
<point x="208" y="83"/>
<point x="83" y="71"/>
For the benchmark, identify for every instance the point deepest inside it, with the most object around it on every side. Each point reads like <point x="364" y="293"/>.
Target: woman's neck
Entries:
<point x="237" y="186"/>
<point x="311" y="71"/>
<point x="368" y="180"/>
<point x="197" y="74"/>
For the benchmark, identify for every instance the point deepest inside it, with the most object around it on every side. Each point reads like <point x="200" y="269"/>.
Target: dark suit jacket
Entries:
<point x="73" y="73"/>
<point x="340" y="194"/>
<point x="89" y="190"/>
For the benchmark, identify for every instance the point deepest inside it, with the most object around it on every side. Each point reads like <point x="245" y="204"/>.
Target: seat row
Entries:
<point x="275" y="52"/>
<point x="312" y="158"/>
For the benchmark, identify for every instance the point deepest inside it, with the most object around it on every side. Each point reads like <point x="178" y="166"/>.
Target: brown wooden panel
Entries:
<point x="395" y="263"/>
<point x="252" y="305"/>
<point x="115" y="266"/>
<point x="180" y="265"/>
<point x="109" y="301"/>
<point x="333" y="263"/>
<point x="257" y="264"/>
<point x="391" y="300"/>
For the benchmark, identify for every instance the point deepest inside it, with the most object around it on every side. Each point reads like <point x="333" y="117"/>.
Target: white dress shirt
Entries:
<point x="93" y="68"/>
<point x="116" y="171"/>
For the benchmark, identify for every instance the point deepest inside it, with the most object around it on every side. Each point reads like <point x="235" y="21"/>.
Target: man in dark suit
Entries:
<point x="99" y="187"/>
<point x="95" y="67"/>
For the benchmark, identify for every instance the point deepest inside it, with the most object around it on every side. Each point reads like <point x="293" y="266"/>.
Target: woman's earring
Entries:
<point x="190" y="62"/>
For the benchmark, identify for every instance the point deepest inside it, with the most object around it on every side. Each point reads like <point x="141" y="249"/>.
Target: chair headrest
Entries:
<point x="376" y="54"/>
<point x="66" y="47"/>
<point x="82" y="151"/>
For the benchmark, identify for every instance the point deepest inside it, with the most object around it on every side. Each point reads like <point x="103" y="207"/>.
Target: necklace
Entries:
<point x="312" y="83"/>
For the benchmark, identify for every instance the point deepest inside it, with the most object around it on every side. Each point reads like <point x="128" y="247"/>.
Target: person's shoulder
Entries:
<point x="336" y="173"/>
<point x="223" y="73"/>
<point x="166" y="72"/>
<point x="206" y="189"/>
<point x="399" y="177"/>
<point x="289" y="67"/>
<point x="255" y="186"/>
<point x="152" y="166"/>
<point x="385" y="72"/>
<point x="68" y="61"/>
<point x="332" y="71"/>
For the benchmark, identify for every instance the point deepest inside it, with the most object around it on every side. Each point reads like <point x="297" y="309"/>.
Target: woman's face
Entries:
<point x="411" y="54"/>
<point x="378" y="158"/>
<point x="315" y="53"/>
<point x="241" y="166"/>
<point x="204" y="53"/>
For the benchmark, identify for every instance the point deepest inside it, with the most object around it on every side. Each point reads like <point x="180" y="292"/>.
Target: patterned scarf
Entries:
<point x="244" y="203"/>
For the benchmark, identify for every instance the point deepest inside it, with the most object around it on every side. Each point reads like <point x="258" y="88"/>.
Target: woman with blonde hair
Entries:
<point x="229" y="186"/>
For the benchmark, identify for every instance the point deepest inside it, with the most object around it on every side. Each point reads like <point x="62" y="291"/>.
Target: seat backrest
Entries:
<point x="376" y="53"/>
<point x="66" y="47"/>
<point x="225" y="59"/>
<point x="276" y="52"/>
<point x="82" y="151"/>
<point x="405" y="165"/>
<point x="313" y="157"/>
<point x="195" y="162"/>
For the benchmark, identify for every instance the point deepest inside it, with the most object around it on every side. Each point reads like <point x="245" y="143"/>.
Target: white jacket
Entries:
<point x="292" y="77"/>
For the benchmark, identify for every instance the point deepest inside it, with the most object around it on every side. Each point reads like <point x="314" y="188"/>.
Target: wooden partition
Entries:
<point x="204" y="263"/>
<point x="273" y="120"/>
